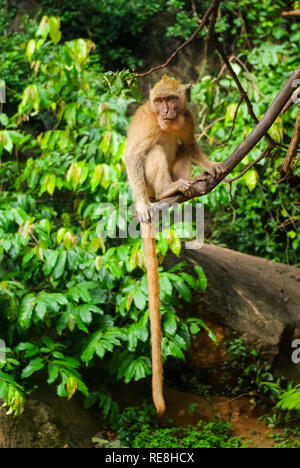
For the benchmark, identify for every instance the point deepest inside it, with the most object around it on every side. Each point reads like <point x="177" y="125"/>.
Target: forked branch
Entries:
<point x="202" y="187"/>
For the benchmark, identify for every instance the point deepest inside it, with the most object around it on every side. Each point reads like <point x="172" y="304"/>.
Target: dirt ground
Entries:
<point x="52" y="422"/>
<point x="240" y="412"/>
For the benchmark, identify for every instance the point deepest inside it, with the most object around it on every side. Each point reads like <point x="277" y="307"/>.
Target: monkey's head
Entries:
<point x="168" y="100"/>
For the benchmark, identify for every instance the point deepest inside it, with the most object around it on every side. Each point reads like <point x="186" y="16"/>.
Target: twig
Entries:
<point x="195" y="11"/>
<point x="214" y="16"/>
<point x="287" y="175"/>
<point x="240" y="87"/>
<point x="188" y="41"/>
<point x="244" y="30"/>
<point x="208" y="38"/>
<point x="219" y="119"/>
<point x="234" y="57"/>
<point x="233" y="123"/>
<point x="292" y="151"/>
<point x="265" y="154"/>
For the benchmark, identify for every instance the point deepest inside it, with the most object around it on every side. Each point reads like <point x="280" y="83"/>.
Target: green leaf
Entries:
<point x="189" y="279"/>
<point x="30" y="49"/>
<point x="51" y="259"/>
<point x="194" y="328"/>
<point x="136" y="370"/>
<point x="165" y="285"/>
<point x="4" y="119"/>
<point x="55" y="33"/>
<point x="85" y="313"/>
<point x="170" y="323"/>
<point x="105" y="179"/>
<point x="68" y="240"/>
<point x="175" y="244"/>
<point x="202" y="280"/>
<point x="71" y="386"/>
<point x="34" y="365"/>
<point x="26" y="309"/>
<point x="41" y="310"/>
<point x="139" y="299"/>
<point x="102" y="341"/>
<point x="184" y="291"/>
<point x="60" y="265"/>
<point x="251" y="179"/>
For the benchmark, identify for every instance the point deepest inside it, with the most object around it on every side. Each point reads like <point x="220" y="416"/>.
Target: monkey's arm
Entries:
<point x="195" y="152"/>
<point x="215" y="169"/>
<point x="135" y="161"/>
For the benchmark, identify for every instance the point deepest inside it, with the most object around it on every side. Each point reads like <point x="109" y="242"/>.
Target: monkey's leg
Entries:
<point x="182" y="166"/>
<point x="158" y="177"/>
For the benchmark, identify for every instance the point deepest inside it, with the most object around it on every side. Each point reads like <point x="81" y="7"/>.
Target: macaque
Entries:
<point x="160" y="147"/>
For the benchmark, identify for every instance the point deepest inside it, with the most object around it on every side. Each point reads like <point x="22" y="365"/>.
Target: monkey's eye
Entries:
<point x="172" y="98"/>
<point x="158" y="99"/>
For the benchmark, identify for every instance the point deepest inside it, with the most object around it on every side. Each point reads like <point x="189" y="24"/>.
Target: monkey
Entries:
<point x="159" y="149"/>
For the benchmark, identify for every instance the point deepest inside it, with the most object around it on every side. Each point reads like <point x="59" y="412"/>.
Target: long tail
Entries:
<point x="155" y="319"/>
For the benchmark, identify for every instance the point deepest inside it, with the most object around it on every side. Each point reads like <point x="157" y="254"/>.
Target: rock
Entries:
<point x="257" y="298"/>
<point x="48" y="421"/>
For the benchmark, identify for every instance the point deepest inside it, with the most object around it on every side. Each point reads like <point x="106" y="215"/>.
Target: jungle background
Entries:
<point x="73" y="304"/>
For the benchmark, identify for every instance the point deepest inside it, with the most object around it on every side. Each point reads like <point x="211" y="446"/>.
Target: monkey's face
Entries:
<point x="167" y="109"/>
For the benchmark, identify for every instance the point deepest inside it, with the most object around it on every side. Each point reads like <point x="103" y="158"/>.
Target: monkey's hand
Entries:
<point x="143" y="210"/>
<point x="216" y="171"/>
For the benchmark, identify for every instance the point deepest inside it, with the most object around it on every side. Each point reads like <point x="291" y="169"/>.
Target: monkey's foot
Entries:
<point x="144" y="212"/>
<point x="186" y="187"/>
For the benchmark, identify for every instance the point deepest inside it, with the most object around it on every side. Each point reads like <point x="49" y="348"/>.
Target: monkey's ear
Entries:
<point x="188" y="89"/>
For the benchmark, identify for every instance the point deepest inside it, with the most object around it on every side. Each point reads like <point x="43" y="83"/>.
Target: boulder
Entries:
<point x="257" y="298"/>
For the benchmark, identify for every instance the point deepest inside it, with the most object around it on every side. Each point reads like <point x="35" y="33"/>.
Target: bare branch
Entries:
<point x="240" y="87"/>
<point x="188" y="41"/>
<point x="265" y="154"/>
<point x="213" y="20"/>
<point x="219" y="119"/>
<point x="287" y="175"/>
<point x="292" y="151"/>
<point x="233" y="123"/>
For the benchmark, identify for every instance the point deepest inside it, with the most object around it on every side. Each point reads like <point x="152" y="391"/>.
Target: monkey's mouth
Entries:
<point x="169" y="118"/>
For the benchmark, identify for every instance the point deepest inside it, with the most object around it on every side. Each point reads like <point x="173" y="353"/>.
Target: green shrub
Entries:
<point x="69" y="296"/>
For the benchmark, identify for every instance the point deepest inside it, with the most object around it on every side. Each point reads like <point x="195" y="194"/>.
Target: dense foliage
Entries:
<point x="71" y="291"/>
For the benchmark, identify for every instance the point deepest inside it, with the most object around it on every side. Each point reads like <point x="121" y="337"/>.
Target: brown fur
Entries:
<point x="160" y="147"/>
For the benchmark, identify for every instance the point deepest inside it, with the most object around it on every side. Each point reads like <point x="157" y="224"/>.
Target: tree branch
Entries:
<point x="214" y="5"/>
<point x="265" y="154"/>
<point x="240" y="87"/>
<point x="233" y="123"/>
<point x="292" y="151"/>
<point x="202" y="187"/>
